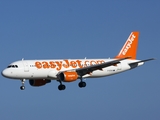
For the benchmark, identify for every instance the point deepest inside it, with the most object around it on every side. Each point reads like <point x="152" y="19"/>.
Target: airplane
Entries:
<point x="41" y="72"/>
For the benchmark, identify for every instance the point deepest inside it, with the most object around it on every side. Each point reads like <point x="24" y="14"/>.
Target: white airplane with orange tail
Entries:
<point x="41" y="72"/>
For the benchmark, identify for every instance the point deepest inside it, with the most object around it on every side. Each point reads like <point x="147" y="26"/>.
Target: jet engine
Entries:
<point x="68" y="76"/>
<point x="39" y="82"/>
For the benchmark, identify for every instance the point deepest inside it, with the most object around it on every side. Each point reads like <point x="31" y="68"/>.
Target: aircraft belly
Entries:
<point x="102" y="73"/>
<point x="32" y="74"/>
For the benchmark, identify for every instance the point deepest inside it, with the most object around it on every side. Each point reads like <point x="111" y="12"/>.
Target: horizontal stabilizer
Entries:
<point x="142" y="61"/>
<point x="135" y="64"/>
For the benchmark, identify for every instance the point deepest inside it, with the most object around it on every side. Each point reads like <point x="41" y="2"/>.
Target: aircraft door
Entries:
<point x="119" y="67"/>
<point x="26" y="67"/>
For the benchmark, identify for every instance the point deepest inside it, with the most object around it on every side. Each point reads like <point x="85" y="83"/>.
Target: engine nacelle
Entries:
<point x="39" y="82"/>
<point x="68" y="76"/>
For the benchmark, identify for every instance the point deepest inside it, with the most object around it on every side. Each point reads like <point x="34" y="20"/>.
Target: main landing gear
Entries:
<point x="61" y="86"/>
<point x="22" y="87"/>
<point x="81" y="84"/>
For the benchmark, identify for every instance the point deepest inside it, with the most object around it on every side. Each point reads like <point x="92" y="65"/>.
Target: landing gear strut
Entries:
<point x="22" y="87"/>
<point x="82" y="83"/>
<point x="61" y="86"/>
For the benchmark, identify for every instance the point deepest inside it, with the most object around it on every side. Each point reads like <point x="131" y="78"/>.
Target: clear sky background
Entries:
<point x="77" y="29"/>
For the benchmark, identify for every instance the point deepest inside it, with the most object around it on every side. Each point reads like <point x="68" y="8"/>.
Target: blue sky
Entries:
<point x="77" y="29"/>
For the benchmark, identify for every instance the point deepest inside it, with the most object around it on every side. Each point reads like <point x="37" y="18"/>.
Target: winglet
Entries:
<point x="130" y="47"/>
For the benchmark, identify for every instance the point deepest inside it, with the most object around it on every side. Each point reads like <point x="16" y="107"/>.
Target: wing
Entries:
<point x="90" y="69"/>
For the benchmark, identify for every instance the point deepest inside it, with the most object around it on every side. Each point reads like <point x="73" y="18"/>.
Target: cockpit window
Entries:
<point x="12" y="66"/>
<point x="9" y="66"/>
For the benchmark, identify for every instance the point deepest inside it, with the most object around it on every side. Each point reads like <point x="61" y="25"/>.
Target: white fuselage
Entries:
<point x="48" y="69"/>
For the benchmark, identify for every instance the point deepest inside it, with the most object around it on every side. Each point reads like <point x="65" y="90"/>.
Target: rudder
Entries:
<point x="130" y="47"/>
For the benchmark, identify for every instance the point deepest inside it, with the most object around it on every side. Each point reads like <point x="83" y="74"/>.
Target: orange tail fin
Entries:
<point x="130" y="47"/>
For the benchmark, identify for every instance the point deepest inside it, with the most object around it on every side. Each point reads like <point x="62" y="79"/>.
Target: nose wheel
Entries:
<point x="22" y="87"/>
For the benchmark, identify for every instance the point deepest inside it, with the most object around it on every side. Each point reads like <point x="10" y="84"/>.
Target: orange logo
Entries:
<point x="58" y="65"/>
<point x="129" y="43"/>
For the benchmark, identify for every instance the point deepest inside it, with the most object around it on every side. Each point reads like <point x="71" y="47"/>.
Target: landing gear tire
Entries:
<point x="61" y="87"/>
<point x="82" y="84"/>
<point x="22" y="87"/>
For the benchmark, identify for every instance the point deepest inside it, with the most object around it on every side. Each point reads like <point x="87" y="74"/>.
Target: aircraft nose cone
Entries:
<point x="5" y="73"/>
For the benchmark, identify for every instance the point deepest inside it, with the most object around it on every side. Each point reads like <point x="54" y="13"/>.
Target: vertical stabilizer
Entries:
<point x="130" y="47"/>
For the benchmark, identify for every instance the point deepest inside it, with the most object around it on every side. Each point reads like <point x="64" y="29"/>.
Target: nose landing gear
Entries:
<point x="22" y="87"/>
